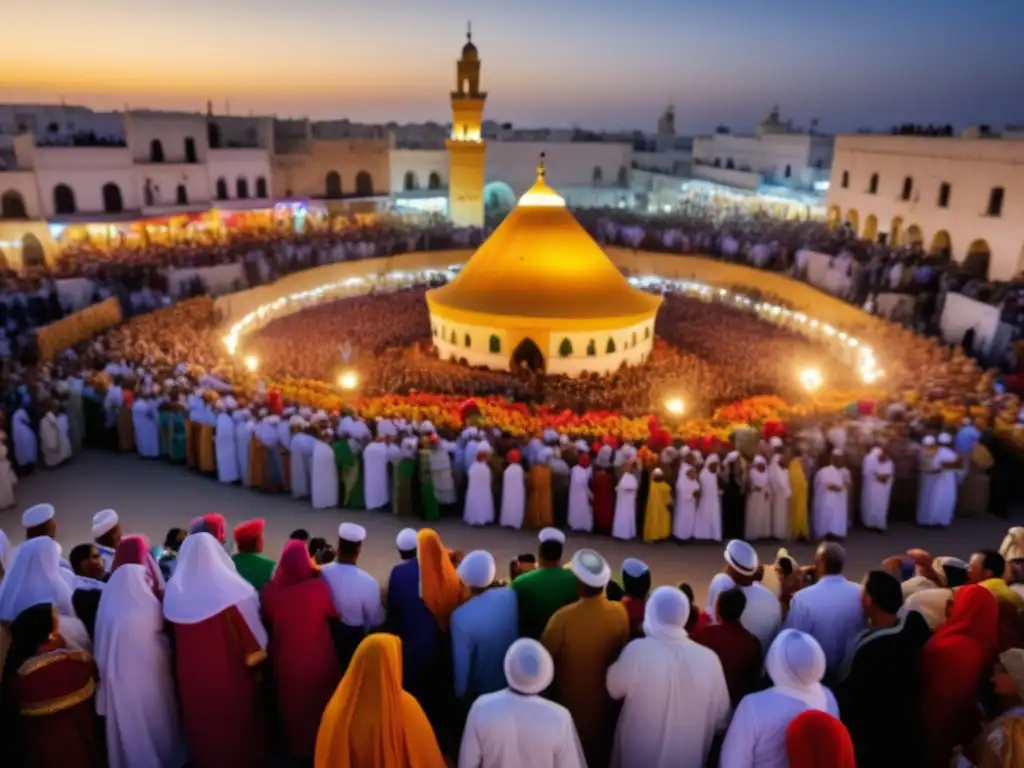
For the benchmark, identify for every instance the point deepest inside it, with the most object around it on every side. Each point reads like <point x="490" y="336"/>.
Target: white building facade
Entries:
<point x="962" y="195"/>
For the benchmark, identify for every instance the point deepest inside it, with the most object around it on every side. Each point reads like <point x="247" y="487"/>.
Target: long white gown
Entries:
<point x="624" y="522"/>
<point x="243" y="442"/>
<point x="26" y="447"/>
<point x="778" y="483"/>
<point x="301" y="457"/>
<point x="7" y="479"/>
<point x="375" y="466"/>
<point x="684" y="516"/>
<point x="513" y="496"/>
<point x="226" y="448"/>
<point x="831" y="512"/>
<point x="945" y="487"/>
<point x="479" y="508"/>
<point x="581" y="510"/>
<point x="49" y="440"/>
<point x="875" y="493"/>
<point x="323" y="476"/>
<point x="926" y="482"/>
<point x="147" y="430"/>
<point x="757" y="521"/>
<point x="708" y="524"/>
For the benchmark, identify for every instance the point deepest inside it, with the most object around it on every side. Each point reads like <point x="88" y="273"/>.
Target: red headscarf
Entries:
<point x="210" y="523"/>
<point x="295" y="565"/>
<point x="584" y="460"/>
<point x="513" y="456"/>
<point x="815" y="739"/>
<point x="135" y="550"/>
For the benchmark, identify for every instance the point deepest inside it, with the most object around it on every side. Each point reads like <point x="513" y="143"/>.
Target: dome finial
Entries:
<point x="540" y="167"/>
<point x="469" y="31"/>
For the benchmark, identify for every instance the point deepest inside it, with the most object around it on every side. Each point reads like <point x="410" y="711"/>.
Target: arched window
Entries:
<point x="12" y="205"/>
<point x="623" y="178"/>
<point x="222" y="189"/>
<point x="873" y="184"/>
<point x="454" y="338"/>
<point x="995" y="202"/>
<point x="156" y="151"/>
<point x="467" y="341"/>
<point x="261" y="188"/>
<point x="634" y="338"/>
<point x="565" y="348"/>
<point x="181" y="195"/>
<point x="64" y="199"/>
<point x="434" y="182"/>
<point x="598" y="175"/>
<point x="112" y="202"/>
<point x="242" y="188"/>
<point x="364" y="184"/>
<point x="190" y="150"/>
<point x="591" y="348"/>
<point x="411" y="182"/>
<point x="944" y="190"/>
<point x="647" y="332"/>
<point x="610" y="346"/>
<point x="908" y="187"/>
<point x="718" y="162"/>
<point x="494" y="344"/>
<point x="332" y="185"/>
<point x="846" y="180"/>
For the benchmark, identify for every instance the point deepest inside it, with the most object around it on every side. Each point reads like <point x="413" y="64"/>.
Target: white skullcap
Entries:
<point x="406" y="540"/>
<point x="37" y="515"/>
<point x="634" y="568"/>
<point x="628" y="451"/>
<point x="529" y="668"/>
<point x="297" y="421"/>
<point x="551" y="534"/>
<point x="477" y="569"/>
<point x="604" y="456"/>
<point x="103" y="521"/>
<point x="590" y="568"/>
<point x="351" y="532"/>
<point x="544" y="455"/>
<point x="426" y="428"/>
<point x="928" y="440"/>
<point x="320" y="416"/>
<point x="469" y="432"/>
<point x="289" y="411"/>
<point x="775" y="442"/>
<point x="483" y="449"/>
<point x="230" y="402"/>
<point x="731" y="457"/>
<point x="550" y="436"/>
<point x="306" y="412"/>
<point x="666" y="613"/>
<point x="741" y="556"/>
<point x="945" y="439"/>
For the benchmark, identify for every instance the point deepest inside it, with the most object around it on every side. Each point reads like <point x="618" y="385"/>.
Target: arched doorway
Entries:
<point x="242" y="188"/>
<point x="941" y="243"/>
<point x="261" y="188"/>
<point x="190" y="150"/>
<point x="527" y="354"/>
<point x="834" y="217"/>
<point x="896" y="231"/>
<point x="332" y="185"/>
<point x="12" y="205"/>
<point x="364" y="184"/>
<point x="64" y="199"/>
<point x="977" y="258"/>
<point x="222" y="189"/>
<point x="32" y="254"/>
<point x="870" y="228"/>
<point x="853" y="221"/>
<point x="915" y="237"/>
<point x="498" y="197"/>
<point x="156" y="151"/>
<point x="434" y="181"/>
<point x="181" y="194"/>
<point x="411" y="182"/>
<point x="112" y="201"/>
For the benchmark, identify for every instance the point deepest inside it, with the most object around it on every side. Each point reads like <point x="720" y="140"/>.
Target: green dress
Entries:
<point x="429" y="507"/>
<point x="254" y="568"/>
<point x="402" y="503"/>
<point x="350" y="475"/>
<point x="178" y="437"/>
<point x="540" y="593"/>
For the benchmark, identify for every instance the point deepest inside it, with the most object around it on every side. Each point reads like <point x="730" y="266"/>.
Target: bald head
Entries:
<point x="830" y="558"/>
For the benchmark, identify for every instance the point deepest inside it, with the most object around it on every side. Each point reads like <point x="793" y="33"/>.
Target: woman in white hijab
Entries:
<point x="33" y="578"/>
<point x="624" y="521"/>
<point x="757" y="735"/>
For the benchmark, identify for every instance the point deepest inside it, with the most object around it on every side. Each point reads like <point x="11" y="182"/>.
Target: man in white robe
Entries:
<point x="513" y="493"/>
<point x="26" y="447"/>
<point x="49" y="439"/>
<point x="145" y="421"/>
<point x="224" y="444"/>
<point x="301" y="456"/>
<point x="928" y="472"/>
<point x="675" y="698"/>
<point x="947" y="482"/>
<point x="8" y="478"/>
<point x="757" y="733"/>
<point x="479" y="504"/>
<point x="684" y="515"/>
<point x="136" y="693"/>
<point x="243" y="444"/>
<point x="323" y="473"/>
<point x="758" y="516"/>
<point x="64" y="429"/>
<point x="831" y="489"/>
<point x="518" y="727"/>
<point x="708" y="522"/>
<point x="778" y="483"/>
<point x="876" y="489"/>
<point x="624" y="521"/>
<point x="581" y="511"/>
<point x="375" y="468"/>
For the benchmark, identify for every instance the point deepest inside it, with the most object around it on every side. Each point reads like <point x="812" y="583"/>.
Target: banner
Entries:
<point x="69" y="331"/>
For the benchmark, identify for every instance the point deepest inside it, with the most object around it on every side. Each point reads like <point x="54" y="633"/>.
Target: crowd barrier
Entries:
<point x="77" y="327"/>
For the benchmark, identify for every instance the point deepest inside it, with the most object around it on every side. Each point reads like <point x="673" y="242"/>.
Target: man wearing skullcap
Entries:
<point x="584" y="639"/>
<point x="831" y="493"/>
<point x="545" y="589"/>
<point x="479" y="504"/>
<point x="251" y="563"/>
<point x="539" y="511"/>
<point x="106" y="533"/>
<point x="356" y="593"/>
<point x="818" y="740"/>
<point x="880" y="683"/>
<point x="762" y="616"/>
<point x="405" y="542"/>
<point x="482" y="629"/>
<point x="513" y="493"/>
<point x="636" y="586"/>
<point x="517" y="726"/>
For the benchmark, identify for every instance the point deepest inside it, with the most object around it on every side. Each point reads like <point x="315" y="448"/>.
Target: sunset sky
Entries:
<point x="599" y="64"/>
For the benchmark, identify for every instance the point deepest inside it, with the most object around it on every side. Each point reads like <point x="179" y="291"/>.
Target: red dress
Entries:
<point x="604" y="502"/>
<point x="306" y="669"/>
<point x="57" y="723"/>
<point x="738" y="650"/>
<point x="219" y="687"/>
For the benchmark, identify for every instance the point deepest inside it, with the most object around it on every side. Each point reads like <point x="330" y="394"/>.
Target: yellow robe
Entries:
<point x="257" y="464"/>
<point x="207" y="456"/>
<point x="538" y="504"/>
<point x="798" y="525"/>
<point x="658" y="518"/>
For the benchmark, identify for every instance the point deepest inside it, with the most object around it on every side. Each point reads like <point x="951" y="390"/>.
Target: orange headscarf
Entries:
<point x="370" y="722"/>
<point x="815" y="739"/>
<point x="440" y="586"/>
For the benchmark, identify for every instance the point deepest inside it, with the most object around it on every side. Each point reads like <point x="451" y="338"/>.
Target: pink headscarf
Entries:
<point x="135" y="550"/>
<point x="294" y="567"/>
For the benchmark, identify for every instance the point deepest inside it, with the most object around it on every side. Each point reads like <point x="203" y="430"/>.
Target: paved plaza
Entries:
<point x="152" y="496"/>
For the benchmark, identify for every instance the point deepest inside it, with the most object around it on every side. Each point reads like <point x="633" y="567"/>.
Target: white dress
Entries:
<point x="513" y="496"/>
<point x="226" y="447"/>
<point x="479" y="508"/>
<point x="875" y="493"/>
<point x="301" y="454"/>
<point x="709" y="509"/>
<point x="581" y="512"/>
<point x="624" y="522"/>
<point x="778" y="482"/>
<point x="375" y="465"/>
<point x="684" y="516"/>
<point x="831" y="512"/>
<point x="323" y="476"/>
<point x="757" y="521"/>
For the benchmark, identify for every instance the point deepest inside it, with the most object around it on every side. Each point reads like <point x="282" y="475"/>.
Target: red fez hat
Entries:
<point x="216" y="525"/>
<point x="584" y="460"/>
<point x="513" y="456"/>
<point x="249" y="531"/>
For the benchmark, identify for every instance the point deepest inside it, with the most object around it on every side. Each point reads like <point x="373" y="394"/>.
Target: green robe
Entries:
<point x="429" y="507"/>
<point x="350" y="476"/>
<point x="402" y="500"/>
<point x="254" y="568"/>
<point x="178" y="437"/>
<point x="540" y="593"/>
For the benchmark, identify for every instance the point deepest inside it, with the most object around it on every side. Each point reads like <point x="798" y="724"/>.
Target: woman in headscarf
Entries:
<point x="219" y="643"/>
<point x="440" y="586"/>
<point x="370" y="722"/>
<point x="1001" y="744"/>
<point x="136" y="693"/>
<point x="932" y="604"/>
<point x="955" y="663"/>
<point x="1011" y="613"/>
<point x="757" y="734"/>
<point x="817" y="740"/>
<point x="299" y="614"/>
<point x="658" y="517"/>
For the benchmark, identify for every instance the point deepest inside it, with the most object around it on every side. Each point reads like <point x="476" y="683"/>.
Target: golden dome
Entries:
<point x="540" y="263"/>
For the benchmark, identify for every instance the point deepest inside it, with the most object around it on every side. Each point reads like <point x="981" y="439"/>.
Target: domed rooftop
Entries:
<point x="469" y="51"/>
<point x="540" y="263"/>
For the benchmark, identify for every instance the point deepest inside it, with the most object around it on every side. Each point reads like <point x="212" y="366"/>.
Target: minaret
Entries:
<point x="467" y="151"/>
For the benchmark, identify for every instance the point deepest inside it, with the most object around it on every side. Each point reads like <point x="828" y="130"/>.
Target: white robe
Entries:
<point x="874" y="496"/>
<point x="49" y="439"/>
<point x="926" y="484"/>
<point x="136" y="691"/>
<point x="64" y="426"/>
<point x="684" y="515"/>
<point x="757" y="520"/>
<point x="944" y="490"/>
<point x="8" y="479"/>
<point x="479" y="507"/>
<point x="675" y="700"/>
<point x="323" y="476"/>
<point x="513" y="496"/>
<point x="831" y="513"/>
<point x="778" y="482"/>
<point x="243" y="444"/>
<point x="581" y="511"/>
<point x="708" y="524"/>
<point x="624" y="522"/>
<point x="375" y="467"/>
<point x="509" y="730"/>
<point x="301" y="458"/>
<point x="147" y="433"/>
<point x="227" y="449"/>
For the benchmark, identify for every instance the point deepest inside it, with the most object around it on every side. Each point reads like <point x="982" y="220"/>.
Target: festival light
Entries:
<point x="251" y="363"/>
<point x="348" y="380"/>
<point x="675" y="406"/>
<point x="812" y="379"/>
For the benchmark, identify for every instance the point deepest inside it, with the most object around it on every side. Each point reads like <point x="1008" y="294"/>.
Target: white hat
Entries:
<point x="634" y="568"/>
<point x="551" y="534"/>
<point x="406" y="540"/>
<point x="103" y="521"/>
<point x="544" y="455"/>
<point x="590" y="568"/>
<point x="775" y="442"/>
<point x="426" y="428"/>
<point x="581" y="446"/>
<point x="549" y="436"/>
<point x="351" y="532"/>
<point x="230" y="402"/>
<point x="289" y="411"/>
<point x="929" y="440"/>
<point x="37" y="515"/>
<point x="945" y="439"/>
<point x="731" y="457"/>
<point x="306" y="412"/>
<point x="483" y="449"/>
<point x="742" y="557"/>
<point x="297" y="421"/>
<point x="563" y="439"/>
<point x="477" y="569"/>
<point x="529" y="668"/>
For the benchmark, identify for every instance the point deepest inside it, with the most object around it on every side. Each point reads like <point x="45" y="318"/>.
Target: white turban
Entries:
<point x="590" y="568"/>
<point x="796" y="664"/>
<point x="666" y="614"/>
<point x="529" y="668"/>
<point x="477" y="569"/>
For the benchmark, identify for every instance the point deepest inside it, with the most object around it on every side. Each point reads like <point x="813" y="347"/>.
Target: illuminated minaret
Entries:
<point x="467" y="151"/>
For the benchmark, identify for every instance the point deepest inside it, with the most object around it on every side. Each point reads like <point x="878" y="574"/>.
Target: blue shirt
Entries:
<point x="966" y="439"/>
<point x="482" y="631"/>
<point x="410" y="619"/>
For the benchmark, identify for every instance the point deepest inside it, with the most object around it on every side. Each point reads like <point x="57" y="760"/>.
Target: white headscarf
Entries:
<point x="666" y="614"/>
<point x="205" y="583"/>
<point x="33" y="578"/>
<point x="796" y="664"/>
